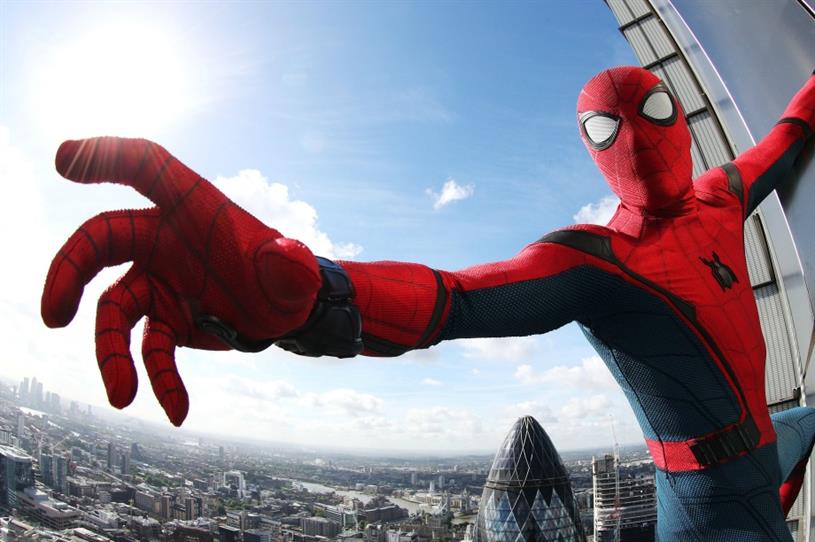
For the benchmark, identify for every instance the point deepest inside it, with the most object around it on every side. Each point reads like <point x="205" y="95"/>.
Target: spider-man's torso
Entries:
<point x="677" y="324"/>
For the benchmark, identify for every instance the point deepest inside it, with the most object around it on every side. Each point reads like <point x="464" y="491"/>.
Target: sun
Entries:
<point x="115" y="79"/>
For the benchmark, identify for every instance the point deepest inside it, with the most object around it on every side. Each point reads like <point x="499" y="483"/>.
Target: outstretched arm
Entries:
<point x="207" y="274"/>
<point x="759" y="170"/>
<point x="407" y="306"/>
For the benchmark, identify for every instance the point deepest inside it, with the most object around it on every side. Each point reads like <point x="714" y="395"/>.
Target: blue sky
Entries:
<point x="440" y="133"/>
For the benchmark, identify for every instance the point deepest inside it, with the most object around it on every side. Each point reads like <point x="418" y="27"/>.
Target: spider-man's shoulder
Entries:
<point x="586" y="238"/>
<point x="719" y="187"/>
<point x="579" y="230"/>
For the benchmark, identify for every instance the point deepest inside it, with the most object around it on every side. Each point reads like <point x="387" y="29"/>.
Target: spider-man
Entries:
<point x="662" y="293"/>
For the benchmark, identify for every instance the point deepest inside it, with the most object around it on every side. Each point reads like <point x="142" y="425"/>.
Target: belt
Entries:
<point x="702" y="452"/>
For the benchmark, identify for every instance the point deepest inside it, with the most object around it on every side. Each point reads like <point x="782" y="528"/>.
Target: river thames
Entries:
<point x="412" y="507"/>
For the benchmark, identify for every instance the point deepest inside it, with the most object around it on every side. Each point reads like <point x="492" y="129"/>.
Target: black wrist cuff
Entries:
<point x="335" y="325"/>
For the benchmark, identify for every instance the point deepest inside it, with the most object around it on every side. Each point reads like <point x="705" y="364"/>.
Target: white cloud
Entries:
<point x="440" y="422"/>
<point x="270" y="203"/>
<point x="422" y="356"/>
<point x="536" y="409"/>
<point x="372" y="424"/>
<point x="431" y="382"/>
<point x="584" y="407"/>
<point x="475" y="371"/>
<point x="591" y="373"/>
<point x="501" y="348"/>
<point x="451" y="191"/>
<point x="597" y="213"/>
<point x="270" y="390"/>
<point x="346" y="401"/>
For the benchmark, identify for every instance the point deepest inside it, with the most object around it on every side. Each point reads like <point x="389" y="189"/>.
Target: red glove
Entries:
<point x="194" y="254"/>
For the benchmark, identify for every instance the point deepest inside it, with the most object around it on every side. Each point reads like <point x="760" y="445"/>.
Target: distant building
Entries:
<point x="145" y="499"/>
<point x="375" y="532"/>
<point x="401" y="536"/>
<point x="390" y="512"/>
<point x="24" y="392"/>
<point x="528" y="496"/>
<point x="20" y="424"/>
<point x="60" y="466"/>
<point x="145" y="528"/>
<point x="238" y="519"/>
<point x="234" y="480"/>
<point x="125" y="462"/>
<point x="80" y="533"/>
<point x="317" y="526"/>
<point x="227" y="533"/>
<point x="16" y="474"/>
<point x="54" y="403"/>
<point x="47" y="469"/>
<point x="111" y="456"/>
<point x="342" y="515"/>
<point x="81" y="487"/>
<point x="257" y="535"/>
<point x="193" y="508"/>
<point x="35" y="395"/>
<point x="51" y="513"/>
<point x="166" y="506"/>
<point x="184" y="533"/>
<point x="625" y="509"/>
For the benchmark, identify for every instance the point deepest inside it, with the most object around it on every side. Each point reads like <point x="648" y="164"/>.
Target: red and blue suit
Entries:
<point x="661" y="292"/>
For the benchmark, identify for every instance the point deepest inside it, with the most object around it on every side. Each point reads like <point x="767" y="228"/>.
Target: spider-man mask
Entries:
<point x="636" y="133"/>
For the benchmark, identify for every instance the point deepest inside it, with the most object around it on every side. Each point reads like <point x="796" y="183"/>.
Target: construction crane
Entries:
<point x="618" y="513"/>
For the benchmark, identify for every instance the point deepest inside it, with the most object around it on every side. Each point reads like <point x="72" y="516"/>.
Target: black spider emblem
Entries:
<point x="721" y="272"/>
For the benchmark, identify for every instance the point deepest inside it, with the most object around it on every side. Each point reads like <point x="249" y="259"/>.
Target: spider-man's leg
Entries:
<point x="796" y="435"/>
<point x="736" y="500"/>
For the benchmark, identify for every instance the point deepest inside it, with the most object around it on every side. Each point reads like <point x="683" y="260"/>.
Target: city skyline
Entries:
<point x="81" y="477"/>
<point x="103" y="412"/>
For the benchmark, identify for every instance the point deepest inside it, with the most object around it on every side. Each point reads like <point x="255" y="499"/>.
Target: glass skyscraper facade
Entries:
<point x="16" y="474"/>
<point x="528" y="496"/>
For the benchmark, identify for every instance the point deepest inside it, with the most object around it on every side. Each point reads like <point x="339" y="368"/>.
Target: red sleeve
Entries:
<point x="756" y="172"/>
<point x="406" y="306"/>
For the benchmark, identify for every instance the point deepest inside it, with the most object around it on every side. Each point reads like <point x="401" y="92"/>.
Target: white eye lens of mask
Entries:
<point x="658" y="106"/>
<point x="601" y="129"/>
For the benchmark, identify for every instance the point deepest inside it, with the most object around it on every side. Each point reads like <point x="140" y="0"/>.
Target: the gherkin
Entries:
<point x="528" y="497"/>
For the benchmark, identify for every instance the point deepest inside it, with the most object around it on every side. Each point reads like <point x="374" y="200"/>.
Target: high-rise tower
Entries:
<point x="625" y="508"/>
<point x="528" y="495"/>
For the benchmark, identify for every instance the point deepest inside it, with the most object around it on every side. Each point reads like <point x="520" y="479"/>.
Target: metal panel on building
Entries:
<point x="621" y="10"/>
<point x="636" y="37"/>
<point x="677" y="76"/>
<point x="698" y="162"/>
<point x="781" y="383"/>
<point x="759" y="266"/>
<point x="628" y="10"/>
<point x="639" y="7"/>
<point x="705" y="131"/>
<point x="658" y="39"/>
